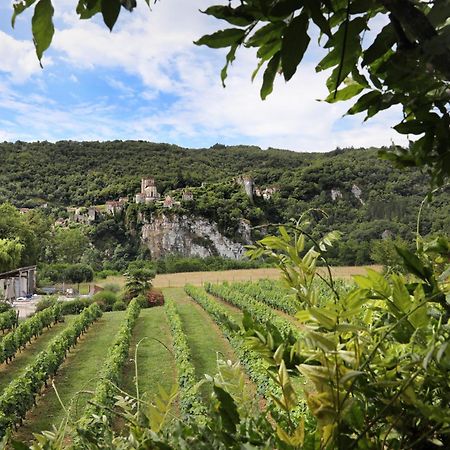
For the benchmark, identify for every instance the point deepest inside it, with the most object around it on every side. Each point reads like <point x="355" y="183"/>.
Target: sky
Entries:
<point x="147" y="81"/>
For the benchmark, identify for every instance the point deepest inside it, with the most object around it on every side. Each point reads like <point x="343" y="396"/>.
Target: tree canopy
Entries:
<point x="407" y="63"/>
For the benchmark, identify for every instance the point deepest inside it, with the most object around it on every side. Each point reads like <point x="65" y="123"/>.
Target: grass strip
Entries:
<point x="155" y="362"/>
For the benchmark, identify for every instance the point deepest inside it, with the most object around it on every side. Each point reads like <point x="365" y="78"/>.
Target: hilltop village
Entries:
<point x="149" y="195"/>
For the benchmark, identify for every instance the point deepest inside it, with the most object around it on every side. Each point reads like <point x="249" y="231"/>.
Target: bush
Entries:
<point x="4" y="306"/>
<point x="75" y="306"/>
<point x="155" y="298"/>
<point x="119" y="306"/>
<point x="106" y="273"/>
<point x="105" y="299"/>
<point x="45" y="303"/>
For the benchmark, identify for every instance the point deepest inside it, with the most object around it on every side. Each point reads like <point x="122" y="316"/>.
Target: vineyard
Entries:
<point x="196" y="328"/>
<point x="89" y="374"/>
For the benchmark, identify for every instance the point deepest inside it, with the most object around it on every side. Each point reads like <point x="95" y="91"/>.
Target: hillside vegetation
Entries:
<point x="357" y="193"/>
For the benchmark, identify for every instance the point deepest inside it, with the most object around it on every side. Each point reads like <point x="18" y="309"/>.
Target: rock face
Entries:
<point x="188" y="236"/>
<point x="335" y="194"/>
<point x="356" y="191"/>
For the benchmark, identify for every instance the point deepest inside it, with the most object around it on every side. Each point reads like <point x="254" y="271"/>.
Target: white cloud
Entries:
<point x="18" y="58"/>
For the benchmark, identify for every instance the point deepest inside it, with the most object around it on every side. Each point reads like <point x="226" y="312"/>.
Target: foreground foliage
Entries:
<point x="377" y="357"/>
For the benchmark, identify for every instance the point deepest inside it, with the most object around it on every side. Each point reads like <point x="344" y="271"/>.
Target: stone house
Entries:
<point x="149" y="193"/>
<point x="187" y="196"/>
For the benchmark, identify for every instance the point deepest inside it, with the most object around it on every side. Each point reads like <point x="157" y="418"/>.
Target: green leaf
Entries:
<point x="379" y="282"/>
<point x="110" y="12"/>
<point x="129" y="5"/>
<point x="269" y="75"/>
<point x="440" y="12"/>
<point x="88" y="8"/>
<point x="412" y="127"/>
<point x="236" y="16"/>
<point x="268" y="33"/>
<point x="42" y="26"/>
<point x="294" y="44"/>
<point x="222" y="38"/>
<point x="362" y="6"/>
<point x="313" y="7"/>
<point x="400" y="294"/>
<point x="350" y="374"/>
<point x="284" y="8"/>
<point x="227" y="410"/>
<point x="363" y="282"/>
<point x="19" y="8"/>
<point x="413" y="263"/>
<point x="364" y="102"/>
<point x="384" y="41"/>
<point x="324" y="317"/>
<point x="231" y="56"/>
<point x="349" y="55"/>
<point x="346" y="93"/>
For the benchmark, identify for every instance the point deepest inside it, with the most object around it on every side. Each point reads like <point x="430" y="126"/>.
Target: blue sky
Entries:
<point x="148" y="81"/>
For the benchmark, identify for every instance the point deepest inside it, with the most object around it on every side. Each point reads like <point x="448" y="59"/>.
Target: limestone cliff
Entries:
<point x="190" y="236"/>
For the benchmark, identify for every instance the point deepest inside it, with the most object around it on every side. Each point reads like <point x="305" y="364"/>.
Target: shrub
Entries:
<point x="4" y="306"/>
<point x="75" y="306"/>
<point x="45" y="303"/>
<point x="119" y="306"/>
<point x="155" y="298"/>
<point x="105" y="299"/>
<point x="106" y="273"/>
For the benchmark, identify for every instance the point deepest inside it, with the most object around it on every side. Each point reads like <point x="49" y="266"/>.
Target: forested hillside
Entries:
<point x="358" y="194"/>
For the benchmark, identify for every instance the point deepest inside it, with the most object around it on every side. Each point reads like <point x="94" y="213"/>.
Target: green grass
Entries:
<point x="204" y="338"/>
<point x="79" y="372"/>
<point x="155" y="363"/>
<point x="12" y="370"/>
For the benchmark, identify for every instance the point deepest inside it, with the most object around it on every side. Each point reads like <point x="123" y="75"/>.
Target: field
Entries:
<point x="198" y="278"/>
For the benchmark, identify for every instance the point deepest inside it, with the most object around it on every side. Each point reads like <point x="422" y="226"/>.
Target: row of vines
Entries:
<point x="190" y="400"/>
<point x="255" y="365"/>
<point x="31" y="328"/>
<point x="20" y="395"/>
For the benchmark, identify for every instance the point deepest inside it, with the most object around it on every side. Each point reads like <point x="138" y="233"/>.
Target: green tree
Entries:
<point x="10" y="254"/>
<point x="407" y="63"/>
<point x="14" y="225"/>
<point x="79" y="273"/>
<point x="138" y="281"/>
<point x="69" y="245"/>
